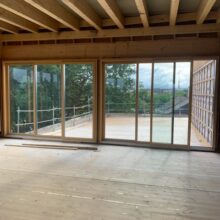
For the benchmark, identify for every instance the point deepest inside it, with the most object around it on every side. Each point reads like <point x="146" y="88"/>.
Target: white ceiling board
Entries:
<point x="98" y="9"/>
<point x="128" y="8"/>
<point x="157" y="7"/>
<point x="188" y="6"/>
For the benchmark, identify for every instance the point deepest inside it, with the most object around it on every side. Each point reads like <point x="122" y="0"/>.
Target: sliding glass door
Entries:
<point x="147" y="102"/>
<point x="120" y="104"/>
<point x="162" y="102"/>
<point x="79" y="100"/>
<point x="144" y="102"/>
<point x="52" y="100"/>
<point x="48" y="99"/>
<point x="21" y="99"/>
<point x="181" y="103"/>
<point x="154" y="103"/>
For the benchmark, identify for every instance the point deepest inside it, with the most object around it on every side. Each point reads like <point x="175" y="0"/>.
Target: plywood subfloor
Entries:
<point x="114" y="183"/>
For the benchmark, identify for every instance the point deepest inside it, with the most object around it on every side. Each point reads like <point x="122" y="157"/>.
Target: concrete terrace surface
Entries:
<point x="119" y="127"/>
<point x="113" y="183"/>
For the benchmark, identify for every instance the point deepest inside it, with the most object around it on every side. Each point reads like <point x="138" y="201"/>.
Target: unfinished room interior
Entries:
<point x="109" y="109"/>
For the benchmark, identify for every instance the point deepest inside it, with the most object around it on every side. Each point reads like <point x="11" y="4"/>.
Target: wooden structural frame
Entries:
<point x="27" y="19"/>
<point x="99" y="109"/>
<point x="203" y="99"/>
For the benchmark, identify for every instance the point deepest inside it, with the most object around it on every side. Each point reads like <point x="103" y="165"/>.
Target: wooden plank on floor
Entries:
<point x="65" y="147"/>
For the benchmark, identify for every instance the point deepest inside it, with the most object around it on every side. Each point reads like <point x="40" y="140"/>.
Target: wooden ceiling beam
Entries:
<point x="8" y="27"/>
<point x="17" y="21"/>
<point x="24" y="10"/>
<point x="174" y="5"/>
<point x="203" y="10"/>
<point x="130" y="32"/>
<point x="142" y="8"/>
<point x="154" y="19"/>
<point x="56" y="11"/>
<point x="112" y="9"/>
<point x="85" y="12"/>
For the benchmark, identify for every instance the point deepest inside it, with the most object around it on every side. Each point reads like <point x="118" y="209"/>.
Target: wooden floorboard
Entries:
<point x="111" y="183"/>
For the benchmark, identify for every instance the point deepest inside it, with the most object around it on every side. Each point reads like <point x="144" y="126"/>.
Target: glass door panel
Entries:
<point x="144" y="101"/>
<point x="49" y="99"/>
<point x="21" y="99"/>
<point x="120" y="101"/>
<point x="181" y="102"/>
<point x="79" y="100"/>
<point x="162" y="103"/>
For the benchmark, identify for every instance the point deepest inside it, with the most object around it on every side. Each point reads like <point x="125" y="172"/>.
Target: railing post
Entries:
<point x="74" y="113"/>
<point x="53" y="115"/>
<point x="108" y="107"/>
<point x="18" y="120"/>
<point x="88" y="105"/>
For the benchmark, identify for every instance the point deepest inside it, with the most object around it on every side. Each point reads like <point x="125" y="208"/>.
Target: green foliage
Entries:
<point x="120" y="87"/>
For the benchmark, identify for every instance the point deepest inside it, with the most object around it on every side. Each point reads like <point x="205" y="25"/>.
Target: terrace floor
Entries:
<point x="119" y="127"/>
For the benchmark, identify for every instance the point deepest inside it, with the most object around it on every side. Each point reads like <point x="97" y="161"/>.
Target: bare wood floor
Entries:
<point x="113" y="183"/>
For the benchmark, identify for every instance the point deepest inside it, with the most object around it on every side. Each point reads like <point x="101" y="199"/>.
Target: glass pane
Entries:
<point x="204" y="73"/>
<point x="49" y="99"/>
<point x="21" y="99"/>
<point x="144" y="101"/>
<point x="120" y="101"/>
<point x="79" y="100"/>
<point x="181" y="102"/>
<point x="162" y="102"/>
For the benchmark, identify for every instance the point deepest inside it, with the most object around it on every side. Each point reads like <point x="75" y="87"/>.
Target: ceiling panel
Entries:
<point x="97" y="7"/>
<point x="156" y="7"/>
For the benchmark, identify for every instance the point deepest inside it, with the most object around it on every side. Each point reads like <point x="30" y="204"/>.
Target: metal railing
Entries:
<point x="71" y="113"/>
<point x="54" y="119"/>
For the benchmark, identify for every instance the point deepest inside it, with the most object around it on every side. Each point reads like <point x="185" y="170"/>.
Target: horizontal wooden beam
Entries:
<point x="85" y="12"/>
<point x="24" y="10"/>
<point x="112" y="9"/>
<point x="56" y="11"/>
<point x="129" y="32"/>
<point x="203" y="10"/>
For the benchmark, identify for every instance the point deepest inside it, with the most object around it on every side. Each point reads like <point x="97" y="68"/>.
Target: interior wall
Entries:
<point x="192" y="47"/>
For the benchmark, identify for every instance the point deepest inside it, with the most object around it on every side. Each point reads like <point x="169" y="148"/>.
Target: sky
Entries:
<point x="163" y="75"/>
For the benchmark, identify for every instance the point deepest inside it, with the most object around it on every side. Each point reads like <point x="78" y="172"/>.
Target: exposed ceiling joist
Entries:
<point x="143" y="11"/>
<point x="174" y="5"/>
<point x="203" y="10"/>
<point x="22" y="9"/>
<point x="112" y="9"/>
<point x="17" y="21"/>
<point x="56" y="11"/>
<point x="154" y="19"/>
<point x="130" y="32"/>
<point x="85" y="12"/>
<point x="8" y="27"/>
